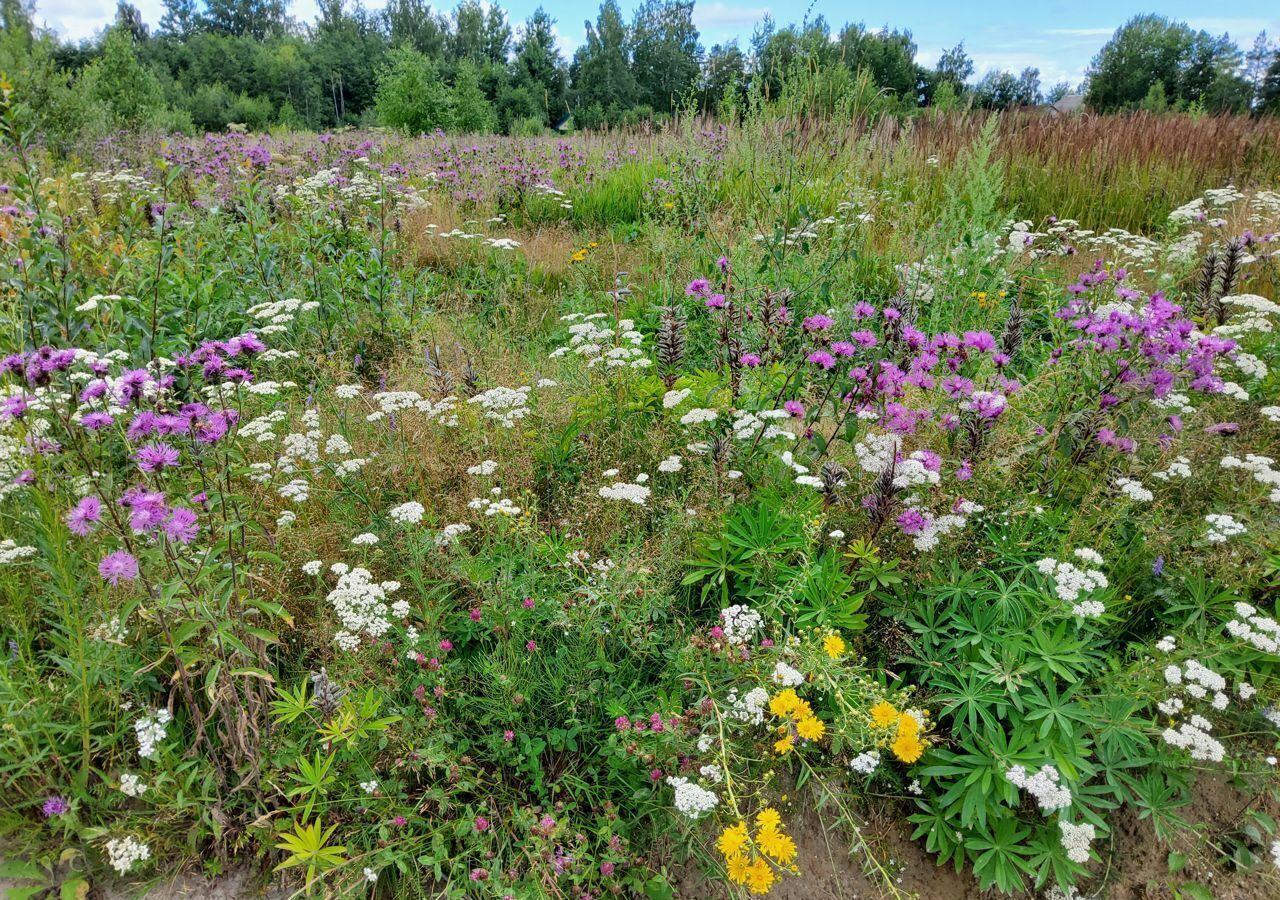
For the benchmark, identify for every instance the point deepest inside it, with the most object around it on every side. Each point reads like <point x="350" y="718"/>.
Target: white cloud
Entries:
<point x="727" y="17"/>
<point x="567" y="43"/>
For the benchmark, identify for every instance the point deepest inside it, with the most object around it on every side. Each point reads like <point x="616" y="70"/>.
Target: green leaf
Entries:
<point x="658" y="889"/>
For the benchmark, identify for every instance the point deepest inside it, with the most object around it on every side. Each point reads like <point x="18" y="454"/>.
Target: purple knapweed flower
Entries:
<point x="118" y="566"/>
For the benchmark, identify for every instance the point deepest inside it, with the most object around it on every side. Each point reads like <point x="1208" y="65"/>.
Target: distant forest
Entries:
<point x="206" y="66"/>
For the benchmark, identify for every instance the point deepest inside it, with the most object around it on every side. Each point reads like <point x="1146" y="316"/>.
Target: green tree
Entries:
<point x="1156" y="101"/>
<point x="1268" y="102"/>
<point x="665" y="53"/>
<point x="180" y="17"/>
<point x="472" y="111"/>
<point x="412" y="23"/>
<point x="889" y="57"/>
<point x="955" y="66"/>
<point x="724" y="78"/>
<point x="256" y="18"/>
<point x="349" y="50"/>
<point x="469" y="39"/>
<point x="122" y="85"/>
<point x="601" y="71"/>
<point x="412" y="95"/>
<point x="1151" y="48"/>
<point x="1004" y="90"/>
<point x="538" y="72"/>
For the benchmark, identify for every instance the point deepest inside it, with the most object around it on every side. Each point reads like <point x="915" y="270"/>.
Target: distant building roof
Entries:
<point x="1068" y="104"/>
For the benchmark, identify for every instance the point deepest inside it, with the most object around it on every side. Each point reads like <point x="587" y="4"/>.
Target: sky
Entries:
<point x="1058" y="38"/>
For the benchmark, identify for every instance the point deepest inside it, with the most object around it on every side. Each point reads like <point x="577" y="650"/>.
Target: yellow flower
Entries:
<point x="760" y="877"/>
<point x="784" y="702"/>
<point x="834" y="645"/>
<point x="908" y="724"/>
<point x="907" y="747"/>
<point x="668" y="205"/>
<point x="802" y="711"/>
<point x="777" y="845"/>
<point x="783" y="745"/>
<point x="732" y="840"/>
<point x="811" y="728"/>
<point x="738" y="867"/>
<point x="883" y="714"/>
<point x="768" y="819"/>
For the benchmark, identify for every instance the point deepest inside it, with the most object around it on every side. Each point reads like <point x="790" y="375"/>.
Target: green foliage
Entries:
<point x="412" y="95"/>
<point x="1192" y="66"/>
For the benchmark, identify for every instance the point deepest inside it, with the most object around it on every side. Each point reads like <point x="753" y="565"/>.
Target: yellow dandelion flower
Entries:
<point x="783" y="745"/>
<point x="732" y="840"/>
<point x="760" y="877"/>
<point x="907" y="746"/>
<point x="738" y="866"/>
<point x="883" y="714"/>
<point x="802" y="710"/>
<point x="908" y="724"/>
<point x="834" y="645"/>
<point x="783" y="702"/>
<point x="768" y="819"/>
<point x="777" y="845"/>
<point x="811" y="728"/>
<point x="668" y="205"/>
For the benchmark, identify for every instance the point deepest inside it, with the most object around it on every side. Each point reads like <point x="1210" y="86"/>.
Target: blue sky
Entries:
<point x="1057" y="37"/>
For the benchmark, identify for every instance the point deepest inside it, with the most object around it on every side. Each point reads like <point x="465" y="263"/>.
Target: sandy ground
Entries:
<point x="1138" y="868"/>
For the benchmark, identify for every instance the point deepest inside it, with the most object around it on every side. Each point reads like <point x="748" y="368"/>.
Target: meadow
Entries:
<point x="608" y="515"/>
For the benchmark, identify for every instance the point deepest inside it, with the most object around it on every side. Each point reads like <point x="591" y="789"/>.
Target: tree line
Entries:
<point x="209" y="64"/>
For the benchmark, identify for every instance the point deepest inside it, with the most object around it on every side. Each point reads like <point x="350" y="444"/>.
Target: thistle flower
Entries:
<point x="118" y="566"/>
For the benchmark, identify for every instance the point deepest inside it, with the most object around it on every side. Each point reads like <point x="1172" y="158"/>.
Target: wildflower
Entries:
<point x="154" y="457"/>
<point x="131" y="785"/>
<point x="118" y="566"/>
<point x="907" y="746"/>
<point x="787" y="676"/>
<point x="691" y="799"/>
<point x="84" y="515"/>
<point x="181" y="526"/>
<point x="1043" y="786"/>
<point x="367" y="539"/>
<point x="834" y="645"/>
<point x="740" y="623"/>
<point x="811" y="728"/>
<point x="55" y="806"/>
<point x="739" y="866"/>
<point x="481" y="824"/>
<point x="150" y="730"/>
<point x="124" y="853"/>
<point x="732" y="840"/>
<point x="775" y="844"/>
<point x="312" y="568"/>
<point x="822" y="358"/>
<point x="784" y="703"/>
<point x="760" y="877"/>
<point x="410" y="513"/>
<point x="883" y="714"/>
<point x="865" y="763"/>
